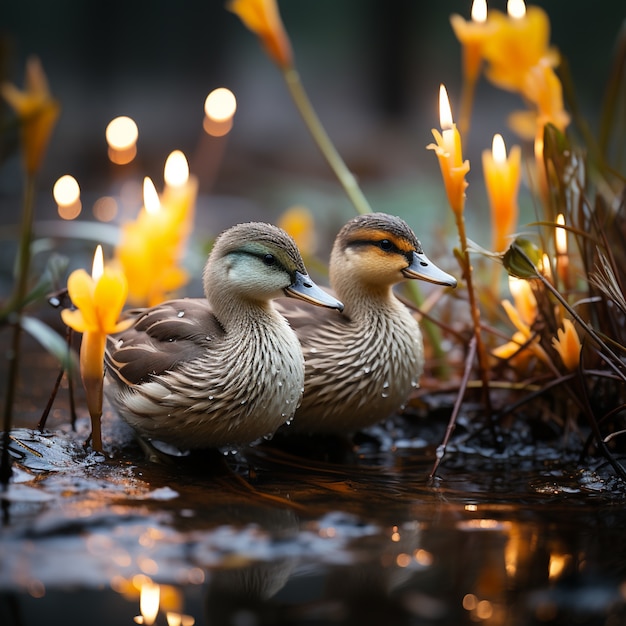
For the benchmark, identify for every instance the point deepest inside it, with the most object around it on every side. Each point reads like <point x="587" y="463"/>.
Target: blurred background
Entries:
<point x="371" y="67"/>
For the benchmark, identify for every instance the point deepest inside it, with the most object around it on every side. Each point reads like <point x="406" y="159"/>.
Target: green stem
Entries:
<point x="345" y="176"/>
<point x="13" y="311"/>
<point x="467" y="100"/>
<point x="475" y="313"/>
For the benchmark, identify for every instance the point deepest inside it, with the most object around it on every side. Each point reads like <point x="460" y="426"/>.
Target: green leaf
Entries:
<point x="51" y="341"/>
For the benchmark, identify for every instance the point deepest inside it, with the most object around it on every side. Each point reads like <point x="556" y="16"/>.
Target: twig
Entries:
<point x="14" y="310"/>
<point x="595" y="428"/>
<point x="441" y="450"/>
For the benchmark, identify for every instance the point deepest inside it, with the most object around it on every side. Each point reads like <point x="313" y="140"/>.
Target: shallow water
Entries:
<point x="314" y="533"/>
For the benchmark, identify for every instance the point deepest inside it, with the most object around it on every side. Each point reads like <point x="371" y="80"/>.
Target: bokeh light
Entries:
<point x="105" y="209"/>
<point x="219" y="109"/>
<point x="121" y="136"/>
<point x="66" y="193"/>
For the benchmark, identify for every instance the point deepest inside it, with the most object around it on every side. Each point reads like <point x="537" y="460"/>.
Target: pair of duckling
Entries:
<point x="235" y="367"/>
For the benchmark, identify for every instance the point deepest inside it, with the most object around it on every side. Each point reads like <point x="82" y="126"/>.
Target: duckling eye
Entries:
<point x="269" y="260"/>
<point x="386" y="245"/>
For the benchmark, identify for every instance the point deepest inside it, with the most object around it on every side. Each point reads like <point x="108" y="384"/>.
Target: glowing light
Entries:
<point x="449" y="153"/>
<point x="469" y="601"/>
<point x="516" y="9"/>
<point x="149" y="602"/>
<point x="445" y="112"/>
<point x="403" y="560"/>
<point x="97" y="269"/>
<point x="220" y="104"/>
<point x="121" y="136"/>
<point x="483" y="524"/>
<point x="150" y="197"/>
<point x="148" y="566"/>
<point x="423" y="557"/>
<point x="545" y="266"/>
<point x="219" y="109"/>
<point x="121" y="133"/>
<point x="177" y="619"/>
<point x="105" y="209"/>
<point x="561" y="235"/>
<point x="479" y="11"/>
<point x="174" y="619"/>
<point x="66" y="193"/>
<point x="66" y="190"/>
<point x="471" y="507"/>
<point x="562" y="260"/>
<point x="517" y="286"/>
<point x="70" y="211"/>
<point x="557" y="564"/>
<point x="484" y="610"/>
<point x="329" y="532"/>
<point x="196" y="576"/>
<point x="498" y="149"/>
<point x="176" y="172"/>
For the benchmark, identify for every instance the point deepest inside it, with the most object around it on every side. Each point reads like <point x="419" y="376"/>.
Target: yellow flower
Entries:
<point x="543" y="88"/>
<point x="567" y="344"/>
<point x="99" y="300"/>
<point x="263" y="19"/>
<point x="525" y="343"/>
<point x="450" y="155"/>
<point x="472" y="35"/>
<point x="298" y="222"/>
<point x="524" y="299"/>
<point x="502" y="179"/>
<point x="151" y="247"/>
<point x="149" y="259"/>
<point x="37" y="110"/>
<point x="516" y="45"/>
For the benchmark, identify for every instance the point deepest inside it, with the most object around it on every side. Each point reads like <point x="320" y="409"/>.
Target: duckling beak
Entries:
<point x="423" y="268"/>
<point x="304" y="288"/>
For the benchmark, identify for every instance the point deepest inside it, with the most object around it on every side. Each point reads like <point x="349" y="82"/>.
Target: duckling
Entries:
<point x="361" y="365"/>
<point x="221" y="371"/>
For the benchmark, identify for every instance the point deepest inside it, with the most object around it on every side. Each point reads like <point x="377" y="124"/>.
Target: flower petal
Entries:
<point x="109" y="296"/>
<point x="81" y="287"/>
<point x="75" y="320"/>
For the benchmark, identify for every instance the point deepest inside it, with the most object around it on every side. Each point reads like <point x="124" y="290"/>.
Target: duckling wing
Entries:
<point x="161" y="337"/>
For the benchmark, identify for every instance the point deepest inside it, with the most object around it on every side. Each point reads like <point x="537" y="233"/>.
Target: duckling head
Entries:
<point x="375" y="251"/>
<point x="257" y="262"/>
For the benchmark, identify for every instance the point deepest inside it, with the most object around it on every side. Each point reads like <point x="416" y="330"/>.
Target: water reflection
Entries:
<point x="272" y="537"/>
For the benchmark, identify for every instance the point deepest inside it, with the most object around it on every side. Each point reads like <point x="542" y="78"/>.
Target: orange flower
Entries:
<point x="37" y="110"/>
<point x="518" y="44"/>
<point x="99" y="300"/>
<point x="502" y="179"/>
<point x="298" y="222"/>
<point x="472" y="35"/>
<point x="450" y="154"/>
<point x="263" y="19"/>
<point x="543" y="88"/>
<point x="567" y="344"/>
